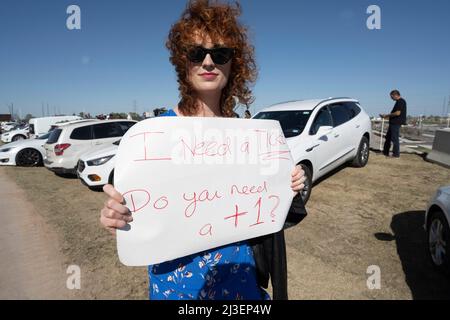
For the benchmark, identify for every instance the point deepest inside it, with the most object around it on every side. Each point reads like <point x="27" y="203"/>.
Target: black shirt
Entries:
<point x="400" y="105"/>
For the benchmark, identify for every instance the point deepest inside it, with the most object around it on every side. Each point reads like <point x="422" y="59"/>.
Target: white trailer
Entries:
<point x="40" y="126"/>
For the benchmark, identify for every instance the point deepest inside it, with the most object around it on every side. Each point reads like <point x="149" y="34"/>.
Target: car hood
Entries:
<point x="99" y="152"/>
<point x="300" y="140"/>
<point x="24" y="144"/>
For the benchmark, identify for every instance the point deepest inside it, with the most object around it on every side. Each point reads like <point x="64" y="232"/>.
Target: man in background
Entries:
<point x="397" y="118"/>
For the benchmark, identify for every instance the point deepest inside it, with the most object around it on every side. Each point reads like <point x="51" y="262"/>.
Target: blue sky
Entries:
<point x="304" y="49"/>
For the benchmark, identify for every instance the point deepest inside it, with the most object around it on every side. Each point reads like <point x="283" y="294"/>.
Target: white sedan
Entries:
<point x="24" y="153"/>
<point x="437" y="225"/>
<point x="15" y="135"/>
<point x="96" y="167"/>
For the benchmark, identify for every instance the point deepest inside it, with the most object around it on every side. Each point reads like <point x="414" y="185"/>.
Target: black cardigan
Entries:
<point x="270" y="253"/>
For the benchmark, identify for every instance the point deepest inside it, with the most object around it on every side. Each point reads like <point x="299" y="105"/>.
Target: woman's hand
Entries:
<point x="114" y="214"/>
<point x="298" y="179"/>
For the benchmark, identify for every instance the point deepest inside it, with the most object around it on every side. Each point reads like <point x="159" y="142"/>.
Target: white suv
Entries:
<point x="323" y="134"/>
<point x="68" y="142"/>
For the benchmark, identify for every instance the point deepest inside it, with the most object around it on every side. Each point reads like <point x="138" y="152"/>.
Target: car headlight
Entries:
<point x="99" y="161"/>
<point x="5" y="134"/>
<point x="5" y="149"/>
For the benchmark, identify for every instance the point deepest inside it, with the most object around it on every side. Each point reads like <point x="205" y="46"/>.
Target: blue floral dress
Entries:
<point x="225" y="273"/>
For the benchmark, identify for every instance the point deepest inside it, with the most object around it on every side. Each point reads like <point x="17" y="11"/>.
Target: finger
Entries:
<point x="298" y="188"/>
<point x="113" y="193"/>
<point x="112" y="214"/>
<point x="112" y="223"/>
<point x="298" y="171"/>
<point x="296" y="184"/>
<point x="298" y="176"/>
<point x="114" y="205"/>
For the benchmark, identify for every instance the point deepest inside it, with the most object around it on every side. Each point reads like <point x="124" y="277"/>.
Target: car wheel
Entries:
<point x="306" y="192"/>
<point x="439" y="240"/>
<point x="28" y="158"/>
<point x="362" y="156"/>
<point x="18" y="137"/>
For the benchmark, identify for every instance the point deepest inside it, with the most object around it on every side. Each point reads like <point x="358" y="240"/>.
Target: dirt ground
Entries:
<point x="357" y="218"/>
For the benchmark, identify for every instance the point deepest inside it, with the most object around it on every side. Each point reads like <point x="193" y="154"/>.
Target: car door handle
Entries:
<point x="312" y="148"/>
<point x="358" y="126"/>
<point x="336" y="135"/>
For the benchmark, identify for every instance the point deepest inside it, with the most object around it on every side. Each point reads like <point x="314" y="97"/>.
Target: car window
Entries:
<point x="340" y="114"/>
<point x="292" y="122"/>
<point x="44" y="137"/>
<point x="82" y="133"/>
<point x="125" y="125"/>
<point x="54" y="136"/>
<point x="323" y="118"/>
<point x="107" y="130"/>
<point x="353" y="109"/>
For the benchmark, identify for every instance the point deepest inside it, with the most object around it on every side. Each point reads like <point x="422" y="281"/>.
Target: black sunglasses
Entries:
<point x="218" y="55"/>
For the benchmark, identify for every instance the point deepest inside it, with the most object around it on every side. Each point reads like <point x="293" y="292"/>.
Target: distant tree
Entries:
<point x="115" y="115"/>
<point x="28" y="117"/>
<point x="135" y="116"/>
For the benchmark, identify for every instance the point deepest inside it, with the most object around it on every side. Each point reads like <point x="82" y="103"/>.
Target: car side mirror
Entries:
<point x="323" y="130"/>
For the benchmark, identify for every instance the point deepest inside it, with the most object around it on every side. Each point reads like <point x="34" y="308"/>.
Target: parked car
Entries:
<point x="437" y="226"/>
<point x="24" y="153"/>
<point x="323" y="134"/>
<point x="6" y="126"/>
<point x="19" y="133"/>
<point x="96" y="168"/>
<point x="68" y="142"/>
<point x="40" y="126"/>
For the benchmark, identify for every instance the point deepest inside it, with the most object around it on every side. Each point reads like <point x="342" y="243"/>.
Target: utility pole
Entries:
<point x="48" y="110"/>
<point x="43" y="112"/>
<point x="448" y="105"/>
<point x="444" y="106"/>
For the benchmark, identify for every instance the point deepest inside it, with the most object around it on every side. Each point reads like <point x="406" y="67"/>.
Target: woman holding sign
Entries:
<point x="215" y="64"/>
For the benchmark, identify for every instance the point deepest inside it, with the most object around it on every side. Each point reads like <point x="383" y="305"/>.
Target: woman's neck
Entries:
<point x="207" y="106"/>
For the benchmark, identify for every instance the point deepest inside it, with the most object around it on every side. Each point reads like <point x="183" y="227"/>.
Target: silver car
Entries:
<point x="437" y="220"/>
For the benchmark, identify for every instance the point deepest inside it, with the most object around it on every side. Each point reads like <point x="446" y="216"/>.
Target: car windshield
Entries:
<point x="292" y="122"/>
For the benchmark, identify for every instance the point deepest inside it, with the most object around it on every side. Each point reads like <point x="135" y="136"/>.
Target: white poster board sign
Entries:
<point x="194" y="184"/>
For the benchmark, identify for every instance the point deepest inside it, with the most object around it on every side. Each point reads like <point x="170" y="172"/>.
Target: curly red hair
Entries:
<point x="220" y="23"/>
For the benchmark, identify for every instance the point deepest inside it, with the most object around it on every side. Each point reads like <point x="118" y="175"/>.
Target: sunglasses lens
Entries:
<point x="218" y="55"/>
<point x="222" y="55"/>
<point x="196" y="55"/>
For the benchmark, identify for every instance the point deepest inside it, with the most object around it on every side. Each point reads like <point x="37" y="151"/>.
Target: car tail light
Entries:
<point x="59" y="148"/>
